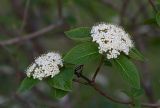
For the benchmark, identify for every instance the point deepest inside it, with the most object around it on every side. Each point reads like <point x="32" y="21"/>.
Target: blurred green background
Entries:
<point x="21" y="17"/>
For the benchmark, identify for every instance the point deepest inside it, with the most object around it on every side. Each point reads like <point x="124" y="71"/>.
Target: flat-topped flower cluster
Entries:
<point x="112" y="40"/>
<point x="46" y="65"/>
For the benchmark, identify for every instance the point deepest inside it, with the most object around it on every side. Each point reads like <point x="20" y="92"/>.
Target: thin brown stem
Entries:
<point x="109" y="97"/>
<point x="94" y="85"/>
<point x="85" y="78"/>
<point x="30" y="36"/>
<point x="78" y="81"/>
<point x="153" y="6"/>
<point x="98" y="69"/>
<point x="25" y="16"/>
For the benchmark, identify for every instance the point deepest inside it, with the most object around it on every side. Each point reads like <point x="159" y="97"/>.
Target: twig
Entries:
<point x="120" y="101"/>
<point x="78" y="81"/>
<point x="25" y="15"/>
<point x="29" y="36"/>
<point x="98" y="68"/>
<point x="153" y="6"/>
<point x="17" y="8"/>
<point x="94" y="85"/>
<point x="109" y="97"/>
<point x="150" y="105"/>
<point x="79" y="69"/>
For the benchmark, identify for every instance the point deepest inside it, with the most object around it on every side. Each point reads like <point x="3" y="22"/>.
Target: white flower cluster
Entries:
<point x="111" y="40"/>
<point x="45" y="65"/>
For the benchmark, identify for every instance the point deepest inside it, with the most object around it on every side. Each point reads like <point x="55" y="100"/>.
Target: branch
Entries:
<point x="120" y="101"/>
<point x="153" y="6"/>
<point x="78" y="81"/>
<point x="98" y="69"/>
<point x="25" y="16"/>
<point x="17" y="8"/>
<point x="94" y="85"/>
<point x="109" y="97"/>
<point x="29" y="36"/>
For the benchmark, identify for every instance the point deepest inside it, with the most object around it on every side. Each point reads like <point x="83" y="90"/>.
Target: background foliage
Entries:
<point x="19" y="18"/>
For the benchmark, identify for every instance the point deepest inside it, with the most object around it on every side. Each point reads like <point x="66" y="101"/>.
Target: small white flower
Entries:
<point x="45" y="65"/>
<point x="112" y="40"/>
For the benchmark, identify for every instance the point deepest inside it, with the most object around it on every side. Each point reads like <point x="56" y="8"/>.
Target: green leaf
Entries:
<point x="57" y="93"/>
<point x="79" y="34"/>
<point x="134" y="92"/>
<point x="63" y="80"/>
<point x="137" y="103"/>
<point x="158" y="5"/>
<point x="137" y="92"/>
<point x="127" y="70"/>
<point x="107" y="62"/>
<point x="82" y="53"/>
<point x="27" y="84"/>
<point x="158" y="18"/>
<point x="135" y="54"/>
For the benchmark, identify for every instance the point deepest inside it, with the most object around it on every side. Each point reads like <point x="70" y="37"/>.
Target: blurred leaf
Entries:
<point x="150" y="21"/>
<point x="158" y="18"/>
<point x="71" y="20"/>
<point x="137" y="103"/>
<point x="41" y="2"/>
<point x="3" y="37"/>
<point x="82" y="53"/>
<point x="80" y="34"/>
<point x="87" y="7"/>
<point x="8" y="79"/>
<point x="98" y="8"/>
<point x="57" y="93"/>
<point x="27" y="84"/>
<point x="63" y="80"/>
<point x="158" y="6"/>
<point x="127" y="70"/>
<point x="135" y="54"/>
<point x="95" y="9"/>
<point x="134" y="92"/>
<point x="10" y="21"/>
<point x="22" y="58"/>
<point x="137" y="92"/>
